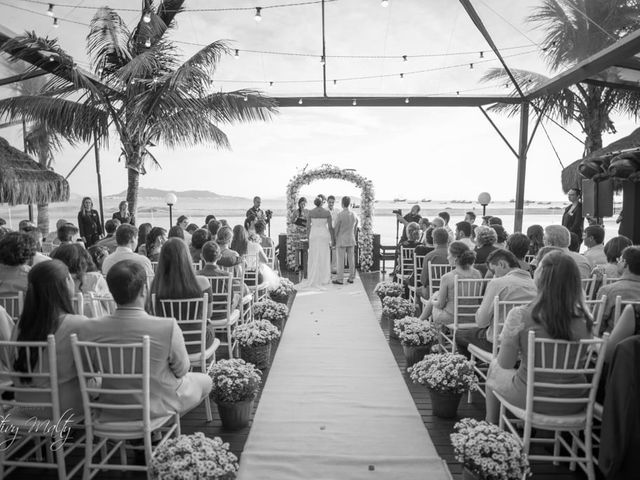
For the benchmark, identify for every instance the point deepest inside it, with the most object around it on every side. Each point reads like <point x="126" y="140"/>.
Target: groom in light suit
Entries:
<point x="345" y="235"/>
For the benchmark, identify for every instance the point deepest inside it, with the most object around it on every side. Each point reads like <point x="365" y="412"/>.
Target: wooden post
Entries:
<point x="631" y="211"/>
<point x="24" y="142"/>
<point x="522" y="166"/>
<point x="96" y="152"/>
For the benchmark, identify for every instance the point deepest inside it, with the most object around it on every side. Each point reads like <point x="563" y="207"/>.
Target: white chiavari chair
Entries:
<point x="467" y="297"/>
<point x="13" y="304"/>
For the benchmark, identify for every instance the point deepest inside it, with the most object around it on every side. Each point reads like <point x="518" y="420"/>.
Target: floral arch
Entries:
<point x="365" y="239"/>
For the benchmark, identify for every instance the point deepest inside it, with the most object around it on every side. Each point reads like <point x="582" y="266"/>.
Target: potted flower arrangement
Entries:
<point x="254" y="339"/>
<point x="275" y="312"/>
<point x="388" y="289"/>
<point x="416" y="336"/>
<point x="235" y="385"/>
<point x="487" y="452"/>
<point x="283" y="291"/>
<point x="394" y="308"/>
<point x="447" y="376"/>
<point x="193" y="456"/>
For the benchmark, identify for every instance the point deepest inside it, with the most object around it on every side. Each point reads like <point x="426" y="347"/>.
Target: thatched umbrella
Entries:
<point x="571" y="177"/>
<point x="24" y="181"/>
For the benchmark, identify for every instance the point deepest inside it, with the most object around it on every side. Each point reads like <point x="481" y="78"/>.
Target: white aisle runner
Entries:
<point x="335" y="405"/>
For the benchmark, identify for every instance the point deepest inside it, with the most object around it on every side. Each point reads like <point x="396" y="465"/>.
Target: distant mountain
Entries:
<point x="158" y="193"/>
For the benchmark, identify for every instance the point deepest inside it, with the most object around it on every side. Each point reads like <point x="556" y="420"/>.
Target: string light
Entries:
<point x="246" y="98"/>
<point x="335" y="82"/>
<point x="55" y="23"/>
<point x="146" y="18"/>
<point x="471" y="66"/>
<point x="402" y="75"/>
<point x="51" y="58"/>
<point x="237" y="54"/>
<point x="258" y="16"/>
<point x="354" y="103"/>
<point x="457" y="92"/>
<point x="404" y="57"/>
<point x="322" y="60"/>
<point x="384" y="3"/>
<point x="406" y="100"/>
<point x="271" y="84"/>
<point x="300" y="102"/>
<point x="50" y="10"/>
<point x="147" y="42"/>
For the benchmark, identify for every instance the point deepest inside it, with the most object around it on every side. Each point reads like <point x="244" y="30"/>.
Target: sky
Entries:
<point x="408" y="152"/>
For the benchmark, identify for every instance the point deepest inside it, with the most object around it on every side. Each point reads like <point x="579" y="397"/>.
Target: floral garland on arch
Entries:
<point x="365" y="239"/>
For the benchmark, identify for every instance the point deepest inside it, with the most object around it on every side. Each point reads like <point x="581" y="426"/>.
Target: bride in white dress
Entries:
<point x="320" y="238"/>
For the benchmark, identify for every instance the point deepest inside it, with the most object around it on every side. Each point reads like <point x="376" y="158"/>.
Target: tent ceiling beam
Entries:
<point x="457" y="101"/>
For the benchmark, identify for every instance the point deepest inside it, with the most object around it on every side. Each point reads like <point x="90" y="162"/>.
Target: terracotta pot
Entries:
<point x="235" y="416"/>
<point x="414" y="353"/>
<point x="444" y="405"/>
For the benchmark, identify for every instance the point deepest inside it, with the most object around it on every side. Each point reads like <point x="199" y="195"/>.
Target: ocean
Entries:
<point x="154" y="211"/>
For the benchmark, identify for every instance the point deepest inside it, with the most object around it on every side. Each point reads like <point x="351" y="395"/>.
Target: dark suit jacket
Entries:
<point x="574" y="222"/>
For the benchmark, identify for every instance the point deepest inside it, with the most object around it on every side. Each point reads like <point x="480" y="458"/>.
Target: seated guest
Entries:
<point x="155" y="239"/>
<point x="495" y="221"/>
<point x="173" y="387"/>
<point x="413" y="236"/>
<point x="574" y="243"/>
<point x="260" y="231"/>
<point x="207" y="220"/>
<point x="535" y="233"/>
<point x="228" y="257"/>
<point x="627" y="326"/>
<point x="48" y="310"/>
<point x="175" y="279"/>
<point x="424" y="224"/>
<point x="470" y="217"/>
<point x="98" y="254"/>
<point x="250" y="224"/>
<point x="628" y="287"/>
<point x="438" y="222"/>
<point x="176" y="232"/>
<point x="213" y="226"/>
<point x="559" y="236"/>
<point x="558" y="312"/>
<point x="52" y="237"/>
<point x="440" y="305"/>
<point x="82" y="269"/>
<point x="594" y="241"/>
<point x="126" y="236"/>
<point x="446" y="217"/>
<point x="249" y="251"/>
<point x="123" y="215"/>
<point x="16" y="251"/>
<point x="183" y="223"/>
<point x="198" y="239"/>
<point x="518" y="244"/>
<point x="210" y="255"/>
<point x="612" y="250"/>
<point x="438" y="256"/>
<point x="192" y="227"/>
<point x="501" y="236"/>
<point x="463" y="234"/>
<point x="143" y="231"/>
<point x="509" y="283"/>
<point x="486" y="239"/>
<point x="35" y="233"/>
<point x="67" y="233"/>
<point x="109" y="242"/>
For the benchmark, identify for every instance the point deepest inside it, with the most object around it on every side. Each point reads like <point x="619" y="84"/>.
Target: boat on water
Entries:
<point x="425" y="200"/>
<point x="399" y="200"/>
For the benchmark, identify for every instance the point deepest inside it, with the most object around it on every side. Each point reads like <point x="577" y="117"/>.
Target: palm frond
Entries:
<point x="72" y="120"/>
<point x="240" y="106"/>
<point x="108" y="41"/>
<point x="185" y="129"/>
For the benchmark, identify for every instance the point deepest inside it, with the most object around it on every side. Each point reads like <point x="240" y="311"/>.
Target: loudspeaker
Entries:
<point x="597" y="198"/>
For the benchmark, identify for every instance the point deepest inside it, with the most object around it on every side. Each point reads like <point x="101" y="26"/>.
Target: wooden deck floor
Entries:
<point x="439" y="429"/>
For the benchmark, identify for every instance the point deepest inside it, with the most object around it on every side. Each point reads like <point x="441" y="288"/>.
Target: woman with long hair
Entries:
<point x="175" y="278"/>
<point x="143" y="231"/>
<point x="154" y="241"/>
<point x="440" y="305"/>
<point x="536" y="238"/>
<point x="85" y="276"/>
<point x="228" y="256"/>
<point x="558" y="312"/>
<point x="123" y="214"/>
<point x="89" y="222"/>
<point x="48" y="310"/>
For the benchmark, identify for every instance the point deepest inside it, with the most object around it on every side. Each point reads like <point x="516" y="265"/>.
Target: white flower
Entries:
<point x="444" y="372"/>
<point x="234" y="380"/>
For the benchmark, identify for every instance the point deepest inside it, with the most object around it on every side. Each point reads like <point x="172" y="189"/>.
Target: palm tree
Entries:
<point x="139" y="86"/>
<point x="574" y="30"/>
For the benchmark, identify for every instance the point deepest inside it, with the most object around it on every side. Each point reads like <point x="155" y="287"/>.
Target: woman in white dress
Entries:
<point x="320" y="239"/>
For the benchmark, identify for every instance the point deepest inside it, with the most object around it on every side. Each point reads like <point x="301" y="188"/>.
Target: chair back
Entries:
<point x="154" y="265"/>
<point x="102" y="305"/>
<point x="270" y="253"/>
<point x="597" y="312"/>
<point x="231" y="270"/>
<point x="192" y="316"/>
<point x="406" y="261"/>
<point x="501" y="309"/>
<point x="436" y="271"/>
<point x="124" y="392"/>
<point x="39" y="383"/>
<point x="619" y="307"/>
<point x="196" y="266"/>
<point x="222" y="288"/>
<point x="78" y="303"/>
<point x="251" y="269"/>
<point x="607" y="280"/>
<point x="418" y="265"/>
<point x="529" y="258"/>
<point x="467" y="297"/>
<point x="589" y="286"/>
<point x="555" y="366"/>
<point x="13" y="304"/>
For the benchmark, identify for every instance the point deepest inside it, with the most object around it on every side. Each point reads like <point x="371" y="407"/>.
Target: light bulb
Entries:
<point x="146" y="18"/>
<point x="457" y="93"/>
<point x="258" y="17"/>
<point x="335" y="82"/>
<point x="246" y="98"/>
<point x="300" y="102"/>
<point x="402" y="75"/>
<point x="51" y="58"/>
<point x="406" y="100"/>
<point x="50" y="10"/>
<point x="354" y="103"/>
<point x="237" y="54"/>
<point x="404" y="57"/>
<point x="384" y="3"/>
<point x="55" y="23"/>
<point x="481" y="54"/>
<point x="471" y="66"/>
<point x="271" y="84"/>
<point x="147" y="42"/>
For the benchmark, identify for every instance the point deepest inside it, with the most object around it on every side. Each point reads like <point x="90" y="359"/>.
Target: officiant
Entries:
<point x="256" y="211"/>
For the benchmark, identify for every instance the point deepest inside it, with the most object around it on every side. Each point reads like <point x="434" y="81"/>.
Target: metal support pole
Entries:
<point x="324" y="56"/>
<point x="522" y="166"/>
<point x="96" y="152"/>
<point x="170" y="215"/>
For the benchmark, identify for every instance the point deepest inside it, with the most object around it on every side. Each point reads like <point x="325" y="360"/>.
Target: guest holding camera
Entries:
<point x="256" y="211"/>
<point x="413" y="216"/>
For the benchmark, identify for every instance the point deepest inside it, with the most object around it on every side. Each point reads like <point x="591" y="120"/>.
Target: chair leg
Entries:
<point x="556" y="448"/>
<point x="574" y="453"/>
<point x="207" y="408"/>
<point x="88" y="455"/>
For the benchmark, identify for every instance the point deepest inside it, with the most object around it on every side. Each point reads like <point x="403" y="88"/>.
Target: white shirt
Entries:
<point x="334" y="214"/>
<point x="125" y="253"/>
